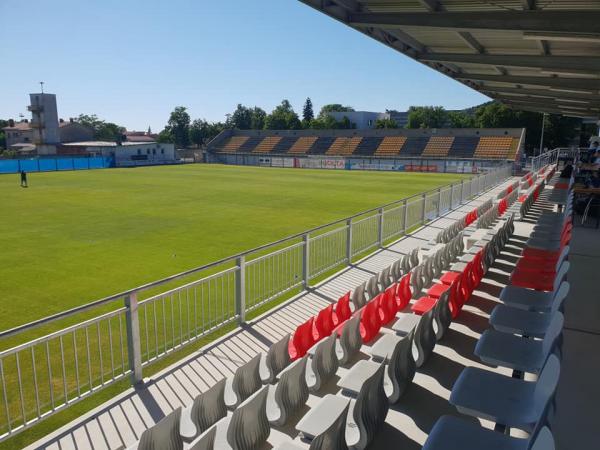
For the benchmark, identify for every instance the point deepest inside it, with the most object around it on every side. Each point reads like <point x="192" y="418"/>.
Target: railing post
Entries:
<point x="423" y="211"/>
<point x="349" y="241"/>
<point x="134" y="347"/>
<point x="380" y="228"/>
<point x="439" y="205"/>
<point x="306" y="260"/>
<point x="462" y="192"/>
<point x="240" y="289"/>
<point x="404" y="219"/>
<point x="452" y="196"/>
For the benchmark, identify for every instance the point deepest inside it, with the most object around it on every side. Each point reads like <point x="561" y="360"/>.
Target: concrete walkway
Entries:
<point x="120" y="422"/>
<point x="577" y="420"/>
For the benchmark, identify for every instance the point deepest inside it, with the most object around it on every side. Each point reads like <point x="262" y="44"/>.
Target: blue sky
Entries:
<point x="132" y="61"/>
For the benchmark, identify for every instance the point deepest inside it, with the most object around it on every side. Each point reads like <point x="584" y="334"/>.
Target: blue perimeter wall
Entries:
<point x="54" y="164"/>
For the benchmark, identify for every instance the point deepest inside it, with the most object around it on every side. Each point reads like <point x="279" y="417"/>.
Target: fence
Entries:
<point x="55" y="164"/>
<point x="41" y="376"/>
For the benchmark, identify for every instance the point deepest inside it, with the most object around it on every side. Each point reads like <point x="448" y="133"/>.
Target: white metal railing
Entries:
<point x="119" y="335"/>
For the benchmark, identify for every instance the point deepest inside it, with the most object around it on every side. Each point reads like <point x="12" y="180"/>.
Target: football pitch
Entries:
<point x="74" y="237"/>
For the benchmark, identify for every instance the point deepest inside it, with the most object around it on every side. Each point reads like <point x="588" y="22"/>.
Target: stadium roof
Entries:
<point x="537" y="55"/>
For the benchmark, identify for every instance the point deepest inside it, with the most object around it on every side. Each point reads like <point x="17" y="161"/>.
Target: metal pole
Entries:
<point x="134" y="347"/>
<point x="439" y="202"/>
<point x="462" y="191"/>
<point x="423" y="212"/>
<point x="542" y="135"/>
<point x="240" y="289"/>
<point x="305" y="260"/>
<point x="349" y="241"/>
<point x="380" y="228"/>
<point x="452" y="196"/>
<point x="404" y="219"/>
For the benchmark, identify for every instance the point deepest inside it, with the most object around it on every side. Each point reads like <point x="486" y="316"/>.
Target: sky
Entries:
<point x="131" y="61"/>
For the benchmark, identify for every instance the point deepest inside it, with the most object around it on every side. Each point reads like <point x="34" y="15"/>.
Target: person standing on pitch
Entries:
<point x="23" y="178"/>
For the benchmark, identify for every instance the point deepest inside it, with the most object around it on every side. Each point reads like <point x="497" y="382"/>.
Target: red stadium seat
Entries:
<point x="342" y="310"/>
<point x="466" y="284"/>
<point x="477" y="269"/>
<point x="455" y="300"/>
<point x="323" y="323"/>
<point x="437" y="290"/>
<point x="450" y="277"/>
<point x="302" y="340"/>
<point x="532" y="280"/>
<point x="387" y="305"/>
<point x="403" y="294"/>
<point x="370" y="321"/>
<point x="424" y="304"/>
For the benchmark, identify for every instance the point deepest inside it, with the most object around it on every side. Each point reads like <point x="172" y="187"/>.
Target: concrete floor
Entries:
<point x="577" y="421"/>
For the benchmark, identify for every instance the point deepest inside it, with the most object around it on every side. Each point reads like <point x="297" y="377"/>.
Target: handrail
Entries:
<point x="233" y="258"/>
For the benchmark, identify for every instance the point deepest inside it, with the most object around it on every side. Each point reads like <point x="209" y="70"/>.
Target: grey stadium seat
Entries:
<point x="528" y="323"/>
<point x="509" y="401"/>
<point x="518" y="353"/>
<point x="208" y="408"/>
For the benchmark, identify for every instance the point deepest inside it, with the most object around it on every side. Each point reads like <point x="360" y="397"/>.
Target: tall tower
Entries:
<point x="44" y="119"/>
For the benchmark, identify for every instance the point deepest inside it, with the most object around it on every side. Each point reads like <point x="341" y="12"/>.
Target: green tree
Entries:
<point x="496" y="115"/>
<point x="198" y="132"/>
<point x="3" y="123"/>
<point x="426" y="117"/>
<point x="307" y="112"/>
<point x="241" y="118"/>
<point x="103" y="131"/>
<point x="460" y="119"/>
<point x="334" y="107"/>
<point x="165" y="136"/>
<point x="257" y="118"/>
<point x="283" y="117"/>
<point x="385" y="123"/>
<point x="213" y="129"/>
<point x="179" y="126"/>
<point x="559" y="131"/>
<point x="329" y="123"/>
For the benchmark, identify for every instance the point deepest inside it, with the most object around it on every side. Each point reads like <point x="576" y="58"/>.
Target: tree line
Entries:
<point x="185" y="132"/>
<point x="559" y="130"/>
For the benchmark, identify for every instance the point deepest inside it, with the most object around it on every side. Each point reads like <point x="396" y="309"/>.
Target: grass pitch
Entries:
<point x="73" y="237"/>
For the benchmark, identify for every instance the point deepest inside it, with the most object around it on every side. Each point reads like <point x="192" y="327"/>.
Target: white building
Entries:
<point x="127" y="153"/>
<point x="362" y="119"/>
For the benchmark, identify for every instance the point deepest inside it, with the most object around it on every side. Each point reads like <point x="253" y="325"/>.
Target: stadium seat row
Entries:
<point x="266" y="391"/>
<point x="525" y="336"/>
<point x="500" y="147"/>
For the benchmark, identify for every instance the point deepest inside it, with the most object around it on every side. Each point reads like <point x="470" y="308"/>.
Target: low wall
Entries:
<point x="55" y="164"/>
<point x="355" y="163"/>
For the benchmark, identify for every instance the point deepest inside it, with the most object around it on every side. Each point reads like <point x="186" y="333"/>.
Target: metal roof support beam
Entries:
<point x="350" y="5"/>
<point x="541" y="21"/>
<point x="551" y="110"/>
<point x="431" y="5"/>
<point x="556" y="105"/>
<point x="542" y="93"/>
<point x="471" y="41"/>
<point x="563" y="37"/>
<point x="528" y="4"/>
<point x="571" y="63"/>
<point x="565" y="83"/>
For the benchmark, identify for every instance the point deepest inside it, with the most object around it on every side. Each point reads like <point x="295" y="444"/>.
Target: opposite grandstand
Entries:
<point x="427" y="150"/>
